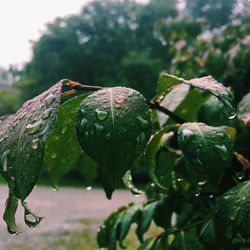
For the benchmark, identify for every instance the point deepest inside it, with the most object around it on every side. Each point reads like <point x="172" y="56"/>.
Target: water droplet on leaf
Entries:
<point x="108" y="136"/>
<point x="35" y="143"/>
<point x="88" y="188"/>
<point x="53" y="155"/>
<point x="50" y="99"/>
<point x="83" y="123"/>
<point x="47" y="113"/>
<point x="64" y="130"/>
<point x="120" y="99"/>
<point x="101" y="115"/>
<point x="33" y="128"/>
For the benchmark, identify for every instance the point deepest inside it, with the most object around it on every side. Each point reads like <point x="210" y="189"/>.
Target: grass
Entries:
<point x="75" y="240"/>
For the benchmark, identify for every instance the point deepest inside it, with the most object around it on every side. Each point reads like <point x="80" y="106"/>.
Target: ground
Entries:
<point x="71" y="218"/>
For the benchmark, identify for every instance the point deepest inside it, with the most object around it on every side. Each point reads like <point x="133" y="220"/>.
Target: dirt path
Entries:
<point x="62" y="211"/>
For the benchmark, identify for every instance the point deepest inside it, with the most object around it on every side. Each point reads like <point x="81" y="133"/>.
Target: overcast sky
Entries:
<point x="22" y="21"/>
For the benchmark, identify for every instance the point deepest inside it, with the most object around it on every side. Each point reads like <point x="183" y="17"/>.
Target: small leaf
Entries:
<point x="233" y="210"/>
<point x="145" y="218"/>
<point x="208" y="148"/>
<point x="127" y="180"/>
<point x="151" y="152"/>
<point x="30" y="218"/>
<point x="126" y="220"/>
<point x="243" y="109"/>
<point x="62" y="149"/>
<point x="166" y="82"/>
<point x="9" y="214"/>
<point x="113" y="127"/>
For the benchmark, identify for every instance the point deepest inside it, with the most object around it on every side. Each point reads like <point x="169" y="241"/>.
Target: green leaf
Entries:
<point x="243" y="109"/>
<point x="62" y="149"/>
<point x="23" y="137"/>
<point x="151" y="152"/>
<point x="233" y="210"/>
<point x="22" y="146"/>
<point x="146" y="244"/>
<point x="9" y="214"/>
<point x="213" y="113"/>
<point x="186" y="241"/>
<point x="145" y="218"/>
<point x="113" y="127"/>
<point x="210" y="149"/>
<point x="127" y="219"/>
<point x="167" y="82"/>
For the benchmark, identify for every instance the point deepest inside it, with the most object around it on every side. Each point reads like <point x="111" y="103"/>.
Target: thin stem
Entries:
<point x="152" y="105"/>
<point x="155" y="105"/>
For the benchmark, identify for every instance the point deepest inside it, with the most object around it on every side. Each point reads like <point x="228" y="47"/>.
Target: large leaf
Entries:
<point x="23" y="139"/>
<point x="167" y="82"/>
<point x="233" y="211"/>
<point x="151" y="152"/>
<point x="144" y="219"/>
<point x="208" y="148"/>
<point x="243" y="109"/>
<point x="62" y="149"/>
<point x="113" y="127"/>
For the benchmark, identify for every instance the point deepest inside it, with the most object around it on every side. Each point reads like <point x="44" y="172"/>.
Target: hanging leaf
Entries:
<point x="151" y="152"/>
<point x="62" y="149"/>
<point x="22" y="145"/>
<point x="233" y="211"/>
<point x="167" y="82"/>
<point x="243" y="109"/>
<point x="113" y="127"/>
<point x="210" y="149"/>
<point x="145" y="218"/>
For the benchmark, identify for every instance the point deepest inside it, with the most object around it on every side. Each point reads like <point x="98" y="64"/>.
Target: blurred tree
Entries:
<point x="105" y="44"/>
<point x="216" y="12"/>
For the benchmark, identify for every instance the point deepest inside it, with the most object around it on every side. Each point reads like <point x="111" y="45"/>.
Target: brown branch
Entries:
<point x="152" y="105"/>
<point x="155" y="105"/>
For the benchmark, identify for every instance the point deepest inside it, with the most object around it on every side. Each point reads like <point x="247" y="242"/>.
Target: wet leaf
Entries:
<point x="233" y="210"/>
<point x="167" y="82"/>
<point x="62" y="149"/>
<point x="145" y="218"/>
<point x="209" y="149"/>
<point x="151" y="152"/>
<point x="23" y="138"/>
<point x="243" y="109"/>
<point x="113" y="127"/>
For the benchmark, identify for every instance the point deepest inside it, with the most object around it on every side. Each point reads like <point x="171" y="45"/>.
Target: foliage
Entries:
<point x="121" y="32"/>
<point x="198" y="171"/>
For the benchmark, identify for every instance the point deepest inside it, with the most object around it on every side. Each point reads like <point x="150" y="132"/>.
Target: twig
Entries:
<point x="153" y="105"/>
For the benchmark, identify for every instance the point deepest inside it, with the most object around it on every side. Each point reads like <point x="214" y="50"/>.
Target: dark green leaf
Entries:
<point x="62" y="149"/>
<point x="145" y="218"/>
<point x="22" y="146"/>
<point x="166" y="82"/>
<point x="113" y="127"/>
<point x="243" y="109"/>
<point x="233" y="210"/>
<point x="151" y="152"/>
<point x="126" y="220"/>
<point x="213" y="113"/>
<point x="208" y="148"/>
